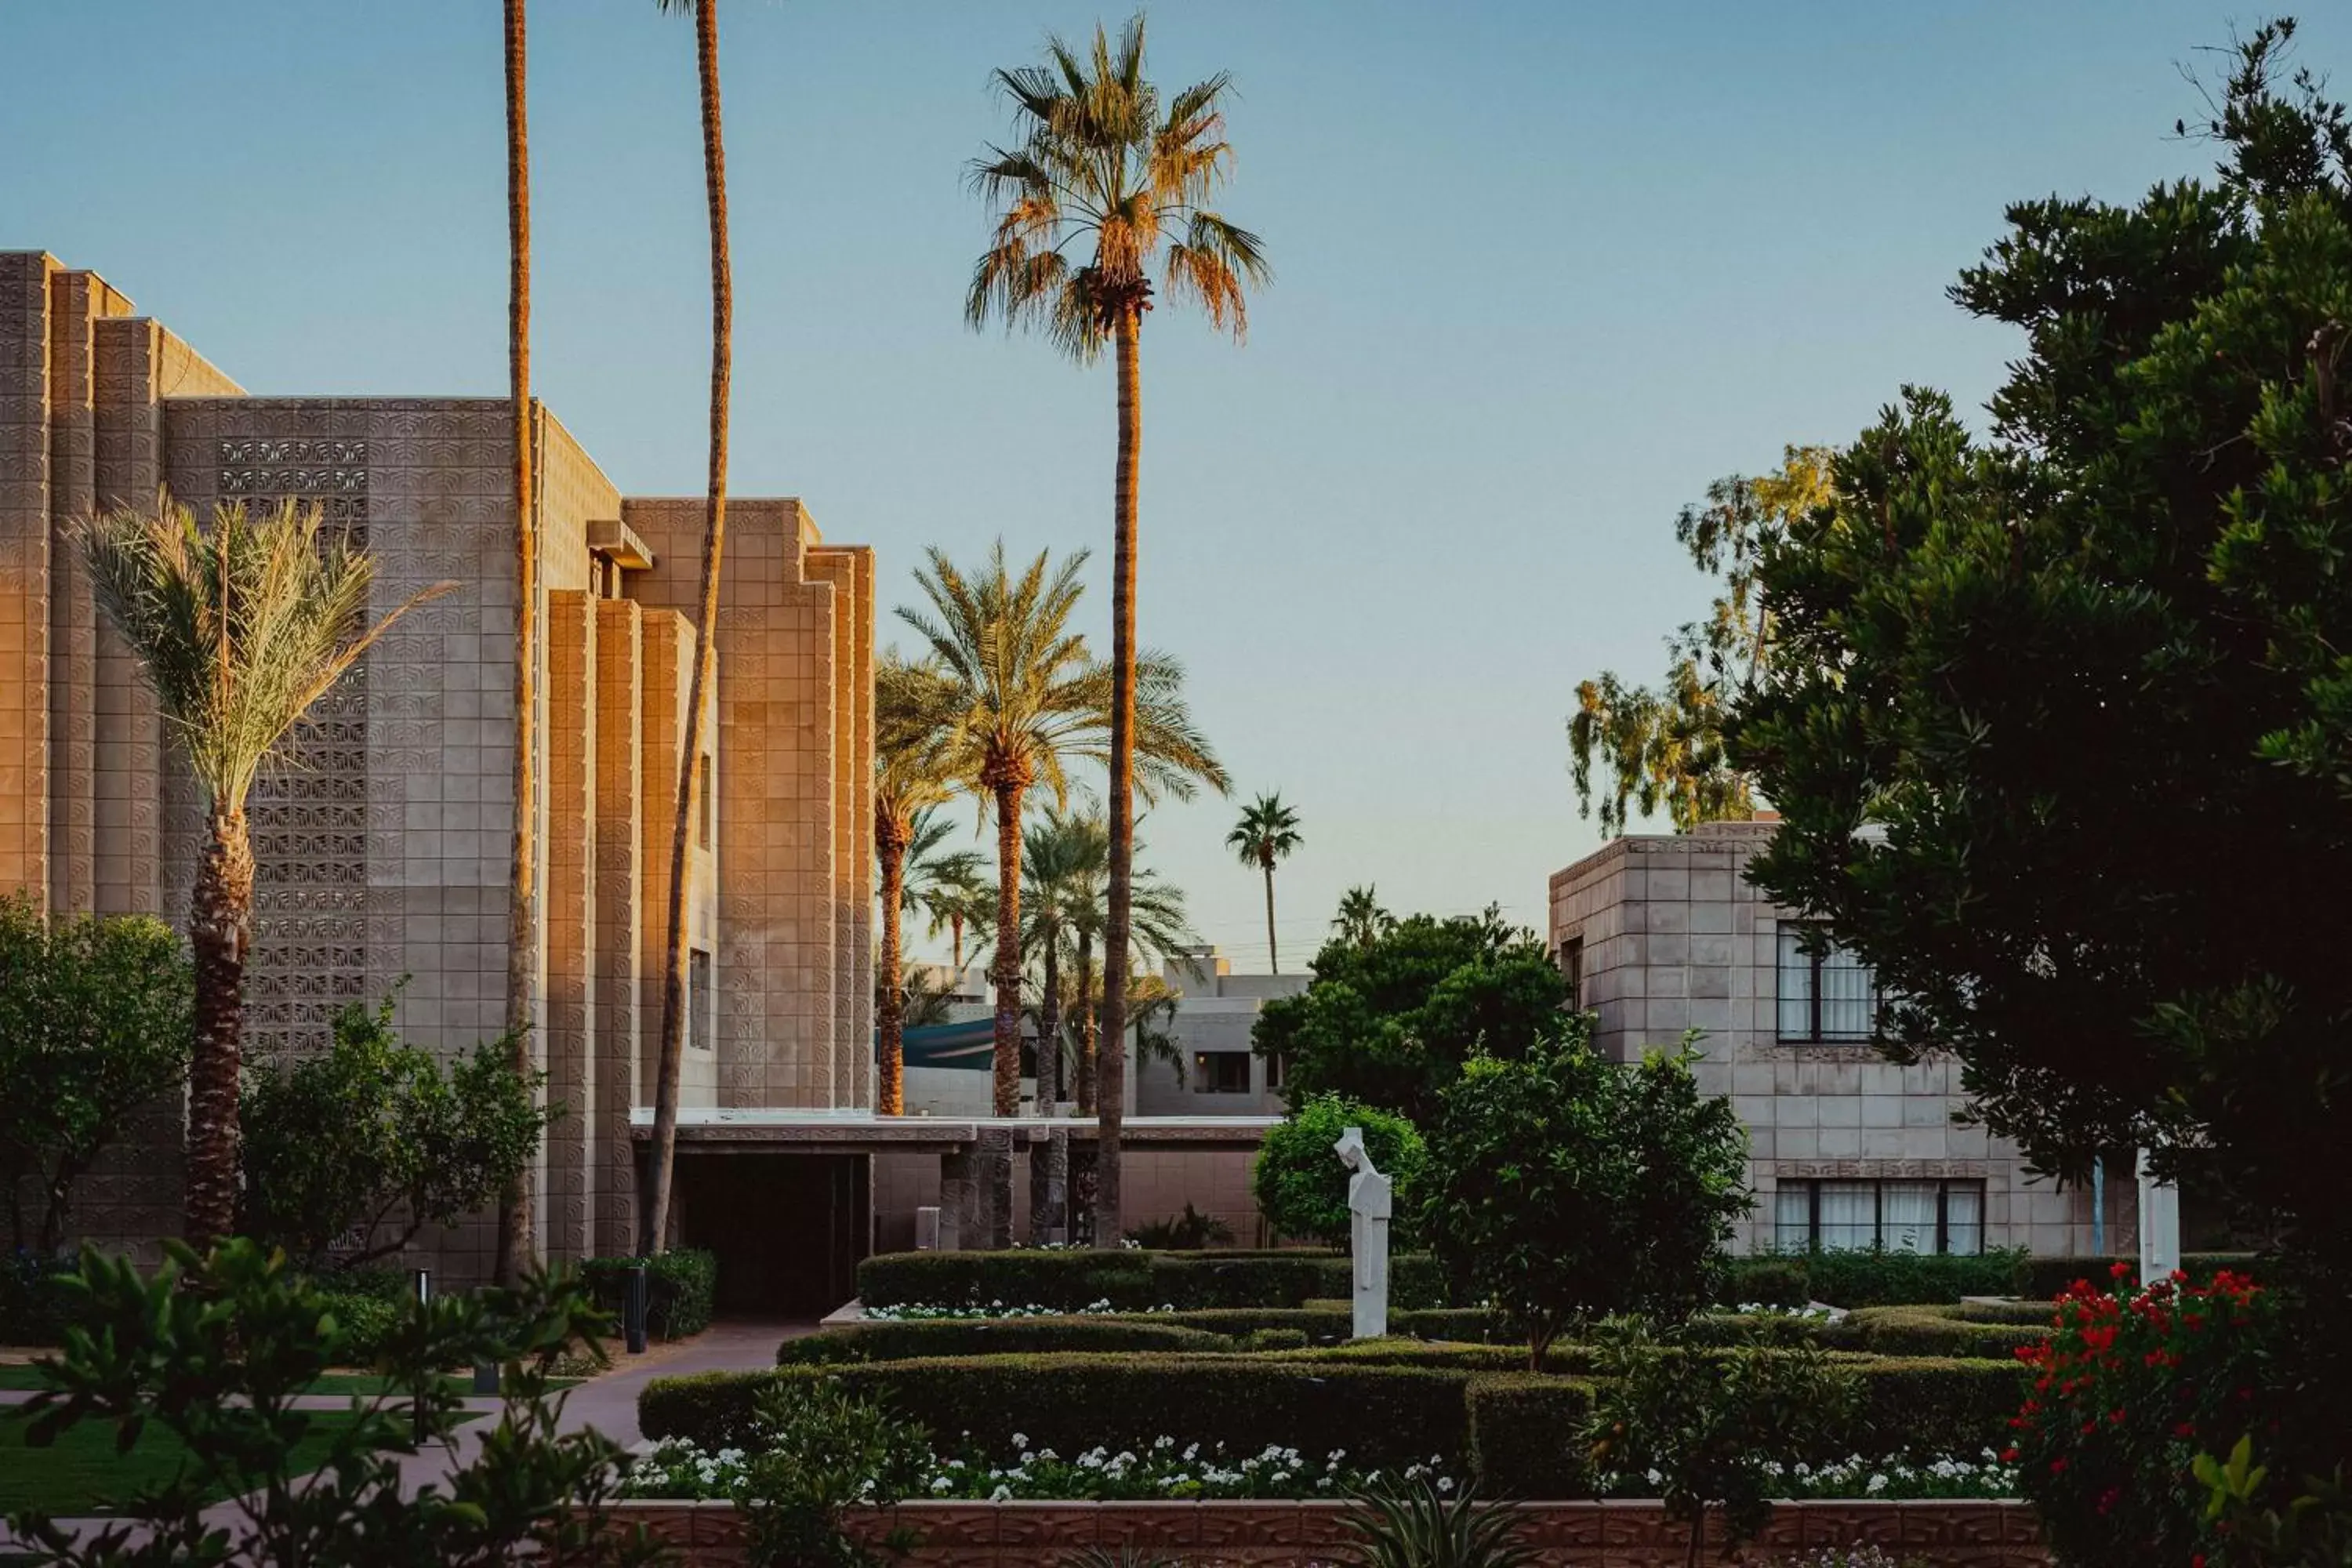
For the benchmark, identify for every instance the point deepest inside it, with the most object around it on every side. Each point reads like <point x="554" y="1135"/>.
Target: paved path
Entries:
<point x="608" y="1404"/>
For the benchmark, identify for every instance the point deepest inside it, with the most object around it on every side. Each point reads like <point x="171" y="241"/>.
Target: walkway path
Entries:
<point x="608" y="1404"/>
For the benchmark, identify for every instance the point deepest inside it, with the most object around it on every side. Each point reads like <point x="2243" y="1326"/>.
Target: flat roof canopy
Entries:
<point x="714" y="1128"/>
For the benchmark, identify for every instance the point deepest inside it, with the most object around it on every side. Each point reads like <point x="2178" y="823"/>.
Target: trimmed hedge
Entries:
<point x="994" y="1336"/>
<point x="1767" y="1281"/>
<point x="681" y="1286"/>
<point x="1937" y="1331"/>
<point x="1925" y="1405"/>
<point x="1526" y="1435"/>
<point x="2035" y="1314"/>
<point x="1381" y="1416"/>
<point x="1132" y="1281"/>
<point x="2045" y="1279"/>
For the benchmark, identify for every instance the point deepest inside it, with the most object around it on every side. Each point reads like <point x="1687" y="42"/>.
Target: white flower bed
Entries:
<point x="678" y="1469"/>
<point x="919" y="1312"/>
<point x="1880" y="1480"/>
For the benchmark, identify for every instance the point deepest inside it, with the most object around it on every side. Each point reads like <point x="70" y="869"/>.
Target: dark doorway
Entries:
<point x="789" y="1229"/>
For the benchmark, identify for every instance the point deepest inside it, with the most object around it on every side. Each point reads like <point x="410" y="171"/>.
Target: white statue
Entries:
<point x="1367" y="1234"/>
<point x="2159" y="1225"/>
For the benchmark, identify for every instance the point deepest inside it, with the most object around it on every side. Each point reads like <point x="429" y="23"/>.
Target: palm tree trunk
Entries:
<point x="217" y="933"/>
<point x="1111" y="1072"/>
<point x="1272" y="957"/>
<point x="515" y="1223"/>
<point x="891" y="1014"/>
<point x="1005" y="973"/>
<point x="1087" y="1017"/>
<point x="1049" y="1031"/>
<point x="656" y="1218"/>
<point x="955" y="924"/>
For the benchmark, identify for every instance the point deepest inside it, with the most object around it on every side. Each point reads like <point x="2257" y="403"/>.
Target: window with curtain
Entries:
<point x="1945" y="1216"/>
<point x="1826" y="995"/>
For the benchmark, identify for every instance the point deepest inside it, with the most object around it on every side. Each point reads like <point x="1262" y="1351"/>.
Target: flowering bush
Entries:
<point x="919" y="1312"/>
<point x="678" y="1469"/>
<point x="1887" y="1480"/>
<point x="2131" y="1385"/>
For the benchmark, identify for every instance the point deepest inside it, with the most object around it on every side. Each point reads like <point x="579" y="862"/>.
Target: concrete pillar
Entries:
<point x="2159" y="1225"/>
<point x="1049" y="1182"/>
<point x="993" y="1174"/>
<point x="958" y="1226"/>
<point x="568" y="921"/>
<point x="621" y="921"/>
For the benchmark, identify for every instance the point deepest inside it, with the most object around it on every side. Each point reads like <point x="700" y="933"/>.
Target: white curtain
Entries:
<point x="1849" y="1214"/>
<point x="1792" y="1216"/>
<point x="1964" y="1218"/>
<point x="1908" y="1216"/>
<point x="1796" y="990"/>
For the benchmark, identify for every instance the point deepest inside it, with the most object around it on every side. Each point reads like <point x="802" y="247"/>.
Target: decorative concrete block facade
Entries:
<point x="383" y="853"/>
<point x="1661" y="934"/>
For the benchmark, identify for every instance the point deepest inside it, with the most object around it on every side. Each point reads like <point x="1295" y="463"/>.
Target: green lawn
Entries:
<point x="82" y="1474"/>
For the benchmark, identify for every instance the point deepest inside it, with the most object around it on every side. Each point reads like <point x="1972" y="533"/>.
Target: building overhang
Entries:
<point x="617" y="542"/>
<point x="711" y="1128"/>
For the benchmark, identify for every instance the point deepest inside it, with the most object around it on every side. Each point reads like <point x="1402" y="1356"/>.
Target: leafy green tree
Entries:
<point x="1663" y="746"/>
<point x="369" y="1141"/>
<point x="220" y="1351"/>
<point x="1302" y="1188"/>
<point x="1103" y="178"/>
<point x="1568" y="1188"/>
<point x="1389" y="1022"/>
<point x="1716" y="1427"/>
<point x="239" y="626"/>
<point x="96" y="1020"/>
<point x="2060" y="719"/>
<point x="1266" y="833"/>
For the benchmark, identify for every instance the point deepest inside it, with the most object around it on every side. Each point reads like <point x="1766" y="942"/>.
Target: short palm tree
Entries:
<point x="1103" y="178"/>
<point x="1268" y="832"/>
<point x="910" y="785"/>
<point x="655" y="1211"/>
<point x="954" y="897"/>
<point x="239" y="626"/>
<point x="1160" y="932"/>
<point x="1022" y="697"/>
<point x="1059" y="855"/>
<point x="1360" y="920"/>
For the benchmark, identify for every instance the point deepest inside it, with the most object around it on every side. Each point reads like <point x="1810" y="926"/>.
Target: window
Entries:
<point x="1221" y="1072"/>
<point x="1571" y="969"/>
<point x="701" y="1003"/>
<point x="1275" y="1071"/>
<point x="1901" y="1216"/>
<point x="1826" y="995"/>
<point x="705" y="801"/>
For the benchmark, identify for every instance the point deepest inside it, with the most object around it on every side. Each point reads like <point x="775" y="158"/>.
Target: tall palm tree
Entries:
<point x="955" y="896"/>
<point x="1268" y="832"/>
<point x="1159" y="932"/>
<point x="522" y="886"/>
<point x="1101" y="179"/>
<point x="1058" y="855"/>
<point x="908" y="787"/>
<point x="691" y="783"/>
<point x="240" y="627"/>
<point x="1360" y="919"/>
<point x="1025" y="697"/>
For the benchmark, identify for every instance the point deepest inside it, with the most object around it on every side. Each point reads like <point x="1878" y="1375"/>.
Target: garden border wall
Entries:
<point x="1962" y="1534"/>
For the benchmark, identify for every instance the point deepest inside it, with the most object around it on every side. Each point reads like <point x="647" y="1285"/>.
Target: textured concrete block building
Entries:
<point x="1660" y="935"/>
<point x="383" y="852"/>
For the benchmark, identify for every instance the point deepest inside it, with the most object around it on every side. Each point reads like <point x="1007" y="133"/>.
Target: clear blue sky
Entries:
<point x="1544" y="270"/>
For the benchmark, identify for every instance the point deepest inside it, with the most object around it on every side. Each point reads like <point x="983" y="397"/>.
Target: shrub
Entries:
<point x="1938" y="1331"/>
<point x="366" y="1320"/>
<point x="2037" y="1314"/>
<point x="1877" y="1276"/>
<point x="2130" y="1388"/>
<point x="1301" y="1187"/>
<point x="1379" y="1415"/>
<point x="1566" y="1187"/>
<point x="1526" y="1435"/>
<point x="374" y="1139"/>
<point x="821" y="1452"/>
<point x="1768" y="1280"/>
<point x="1132" y="1281"/>
<point x="681" y="1286"/>
<point x="997" y="1336"/>
<point x="2046" y="1279"/>
<point x="1932" y="1405"/>
<point x="32" y="1307"/>
<point x="1709" y="1425"/>
<point x="1187" y="1232"/>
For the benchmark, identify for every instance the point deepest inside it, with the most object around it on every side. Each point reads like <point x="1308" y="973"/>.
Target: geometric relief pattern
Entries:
<point x="308" y="813"/>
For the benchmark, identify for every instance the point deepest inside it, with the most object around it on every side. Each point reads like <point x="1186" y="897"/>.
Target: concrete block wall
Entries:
<point x="1675" y="937"/>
